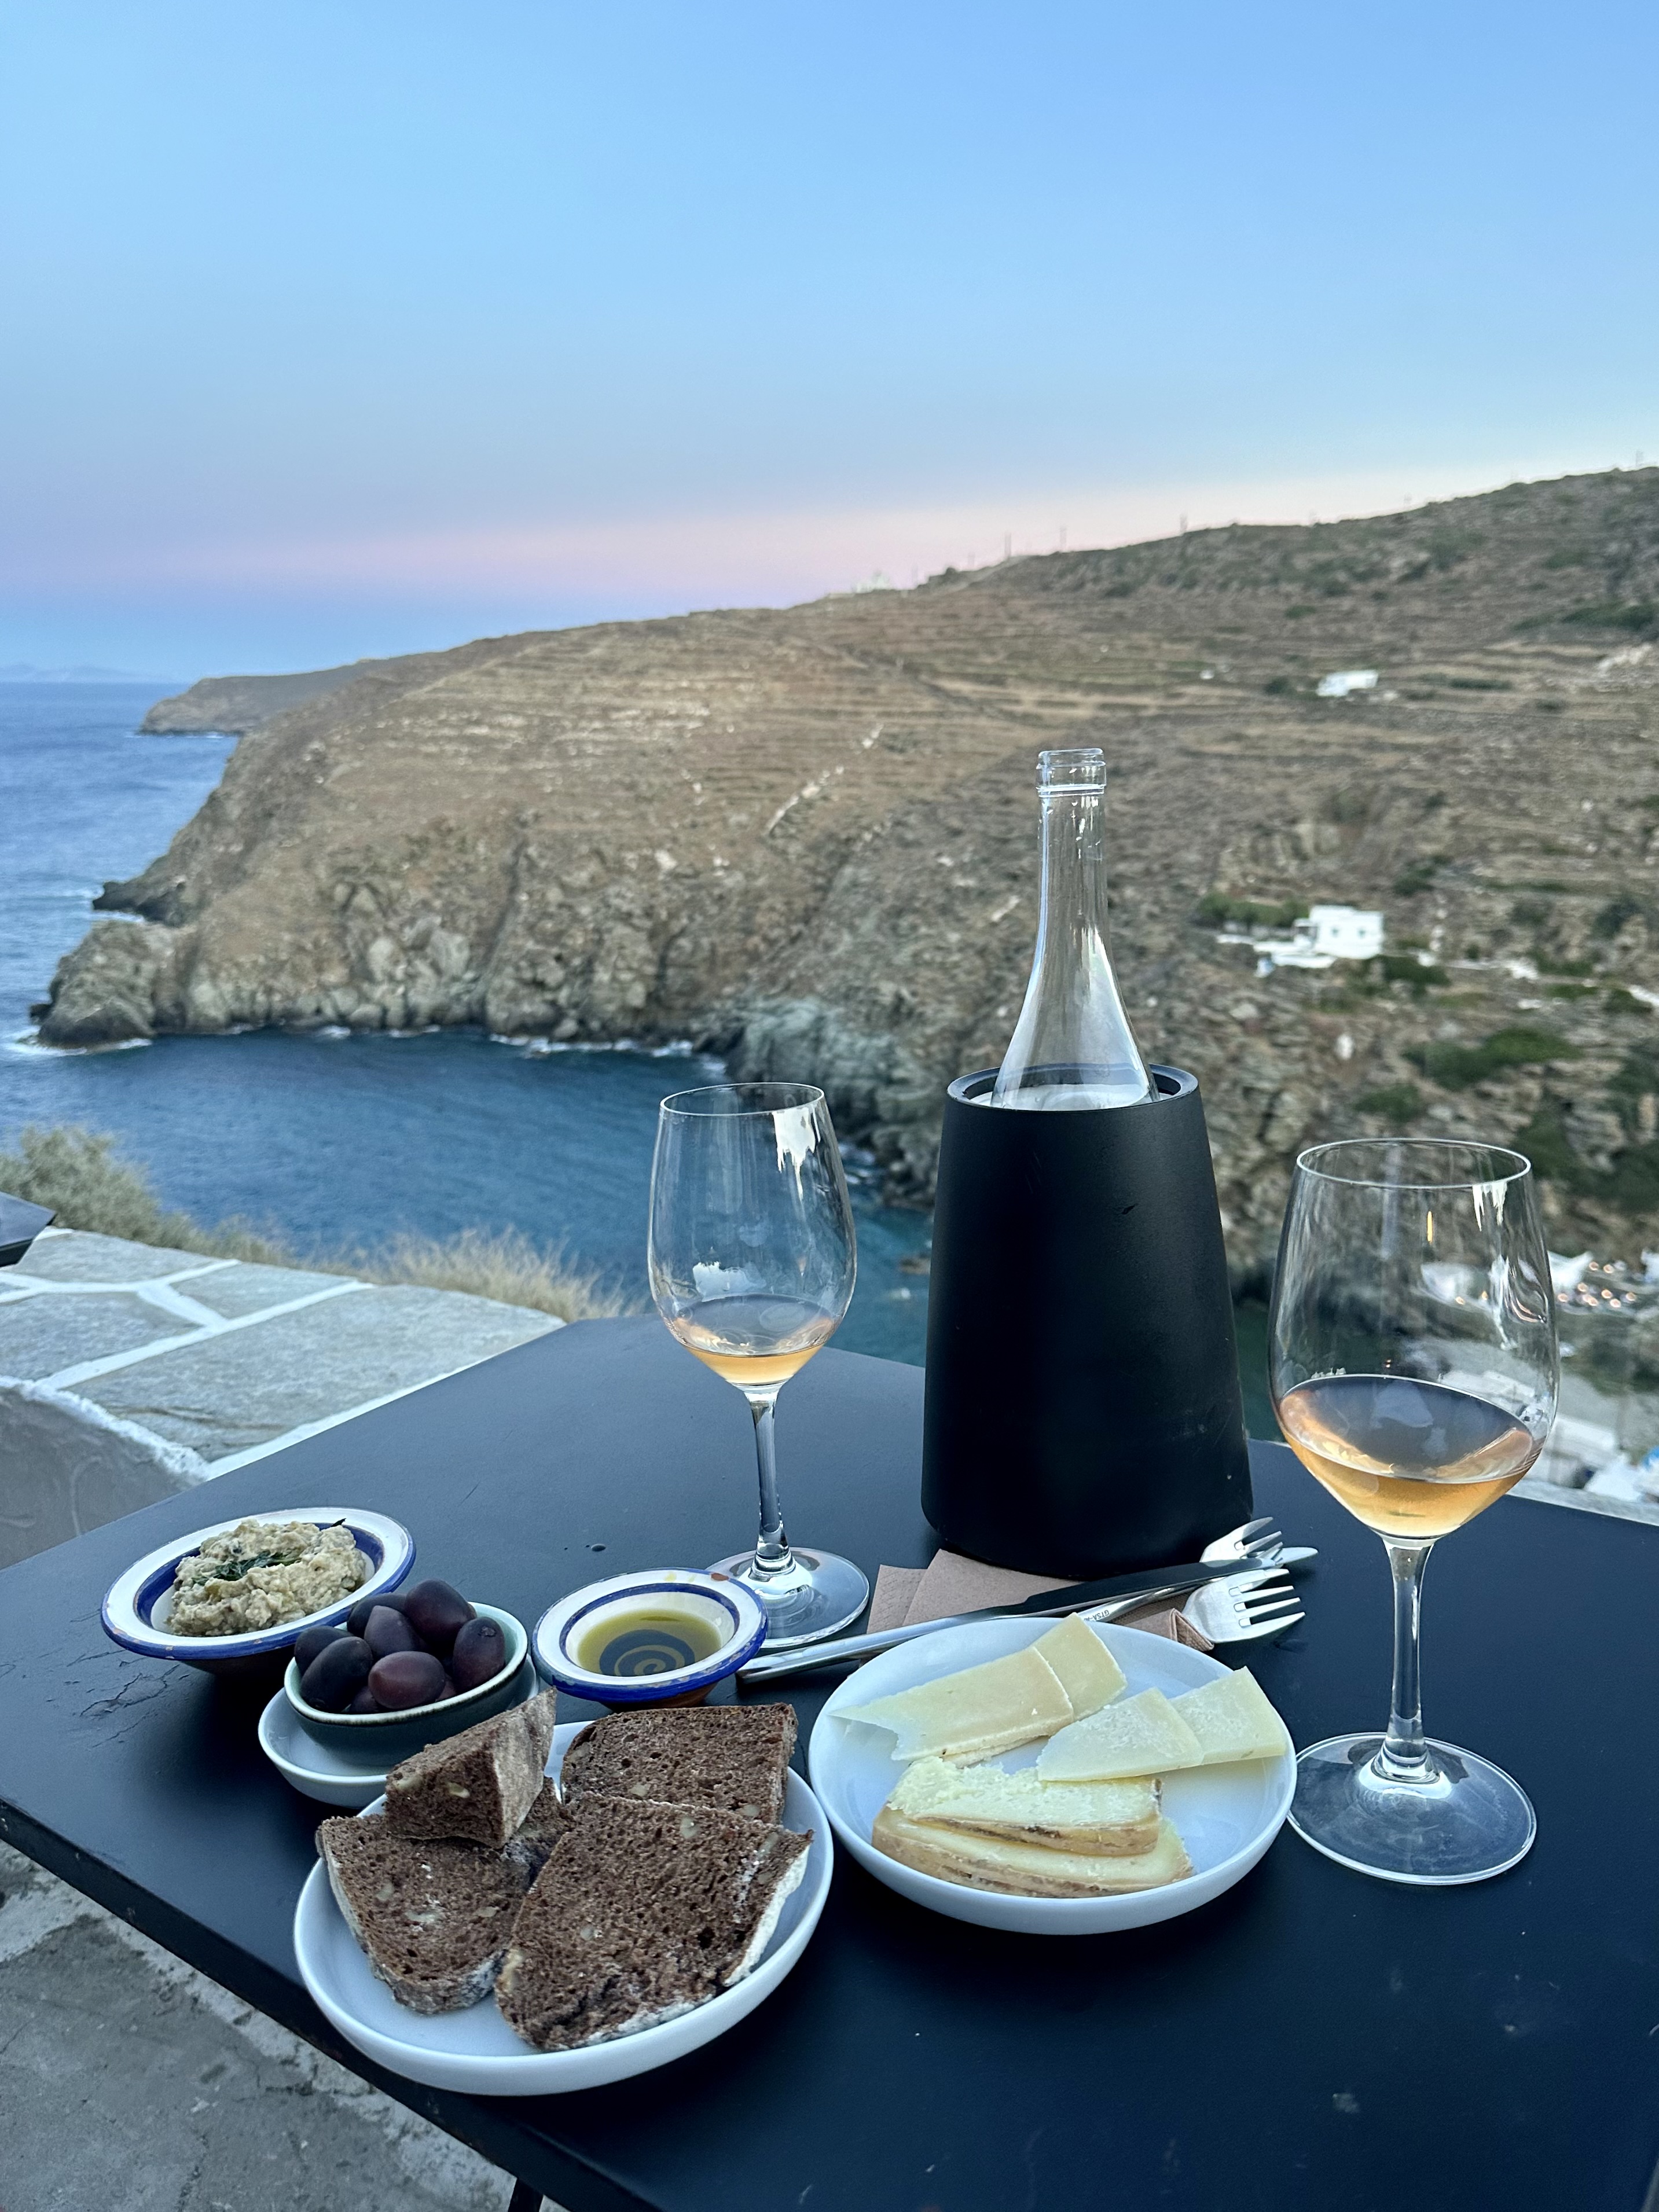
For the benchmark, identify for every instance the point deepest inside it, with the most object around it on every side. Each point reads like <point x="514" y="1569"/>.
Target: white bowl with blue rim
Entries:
<point x="138" y="1605"/>
<point x="653" y="1669"/>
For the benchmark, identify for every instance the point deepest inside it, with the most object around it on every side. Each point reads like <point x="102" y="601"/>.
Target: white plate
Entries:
<point x="476" y="2051"/>
<point x="332" y="1776"/>
<point x="1227" y="1815"/>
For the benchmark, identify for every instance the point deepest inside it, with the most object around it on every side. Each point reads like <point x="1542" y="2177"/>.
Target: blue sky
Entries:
<point x="347" y="329"/>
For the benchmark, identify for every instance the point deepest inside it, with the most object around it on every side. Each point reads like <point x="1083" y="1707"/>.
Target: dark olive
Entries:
<point x="407" y="1678"/>
<point x="436" y="1613"/>
<point x="387" y="1631"/>
<point x="337" y="1674"/>
<point x="480" y="1651"/>
<point x="357" y="1619"/>
<point x="310" y="1641"/>
<point x="364" y="1702"/>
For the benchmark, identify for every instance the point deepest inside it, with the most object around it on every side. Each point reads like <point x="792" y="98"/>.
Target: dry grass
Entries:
<point x="78" y="1173"/>
<point x="493" y="1264"/>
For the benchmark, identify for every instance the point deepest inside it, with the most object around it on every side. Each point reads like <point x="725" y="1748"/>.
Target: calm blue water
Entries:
<point x="329" y="1140"/>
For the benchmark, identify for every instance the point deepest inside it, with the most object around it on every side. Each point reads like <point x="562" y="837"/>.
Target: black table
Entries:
<point x="1313" y="2039"/>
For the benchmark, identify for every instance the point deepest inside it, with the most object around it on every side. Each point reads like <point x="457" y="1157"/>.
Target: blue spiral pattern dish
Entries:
<point x="133" y="1600"/>
<point x="731" y="1610"/>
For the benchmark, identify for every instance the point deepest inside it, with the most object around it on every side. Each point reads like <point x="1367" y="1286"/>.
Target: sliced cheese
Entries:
<point x="1026" y="1870"/>
<point x="974" y="1712"/>
<point x="1116" y="1818"/>
<point x="1139" y="1736"/>
<point x="1233" y="1719"/>
<point x="1090" y="1675"/>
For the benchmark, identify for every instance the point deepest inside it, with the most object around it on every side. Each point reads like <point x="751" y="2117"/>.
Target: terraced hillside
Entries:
<point x="810" y="834"/>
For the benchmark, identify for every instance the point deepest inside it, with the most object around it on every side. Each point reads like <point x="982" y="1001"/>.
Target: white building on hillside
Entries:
<point x="1342" y="682"/>
<point x="1324" y="935"/>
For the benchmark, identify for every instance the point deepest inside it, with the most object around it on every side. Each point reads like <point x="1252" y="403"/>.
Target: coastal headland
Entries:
<point x="807" y="838"/>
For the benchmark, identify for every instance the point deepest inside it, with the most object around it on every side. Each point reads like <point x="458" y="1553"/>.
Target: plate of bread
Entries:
<point x="531" y="1909"/>
<point x="1058" y="1778"/>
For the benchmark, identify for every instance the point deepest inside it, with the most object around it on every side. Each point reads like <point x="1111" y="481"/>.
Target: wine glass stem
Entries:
<point x="1403" y="1757"/>
<point x="772" y="1553"/>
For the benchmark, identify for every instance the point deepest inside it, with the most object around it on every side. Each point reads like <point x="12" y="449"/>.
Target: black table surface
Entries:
<point x="1310" y="2039"/>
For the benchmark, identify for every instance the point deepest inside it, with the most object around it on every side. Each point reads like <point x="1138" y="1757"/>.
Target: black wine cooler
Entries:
<point x="1083" y="1405"/>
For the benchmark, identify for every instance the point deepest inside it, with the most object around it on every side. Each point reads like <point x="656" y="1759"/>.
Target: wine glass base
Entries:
<point x="821" y="1593"/>
<point x="1466" y="1822"/>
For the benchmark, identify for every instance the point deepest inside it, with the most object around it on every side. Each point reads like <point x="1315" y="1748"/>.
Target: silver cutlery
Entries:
<point x="1254" y="1541"/>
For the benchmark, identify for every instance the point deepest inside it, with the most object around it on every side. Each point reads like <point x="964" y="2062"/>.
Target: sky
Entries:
<point x="335" y="330"/>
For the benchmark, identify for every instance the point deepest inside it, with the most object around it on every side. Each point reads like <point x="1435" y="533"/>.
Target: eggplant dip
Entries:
<point x="262" y="1574"/>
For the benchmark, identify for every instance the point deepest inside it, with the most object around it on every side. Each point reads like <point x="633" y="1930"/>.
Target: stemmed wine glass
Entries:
<point x="1413" y="1371"/>
<point x="752" y="1258"/>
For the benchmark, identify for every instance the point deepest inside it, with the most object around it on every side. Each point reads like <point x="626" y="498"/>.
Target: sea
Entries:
<point x="331" y="1140"/>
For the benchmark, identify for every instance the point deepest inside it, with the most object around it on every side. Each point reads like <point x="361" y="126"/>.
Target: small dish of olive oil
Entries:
<point x="662" y="1636"/>
<point x="647" y="1639"/>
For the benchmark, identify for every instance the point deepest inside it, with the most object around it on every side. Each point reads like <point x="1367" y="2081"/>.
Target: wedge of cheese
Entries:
<point x="1101" y="1819"/>
<point x="1089" y="1674"/>
<point x="1233" y="1719"/>
<point x="974" y="1712"/>
<point x="1026" y="1870"/>
<point x="1139" y="1736"/>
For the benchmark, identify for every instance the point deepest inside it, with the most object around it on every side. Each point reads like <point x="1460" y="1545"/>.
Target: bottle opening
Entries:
<point x="1078" y="768"/>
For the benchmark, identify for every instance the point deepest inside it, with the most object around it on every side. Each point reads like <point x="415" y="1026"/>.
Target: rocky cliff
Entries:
<point x="810" y="836"/>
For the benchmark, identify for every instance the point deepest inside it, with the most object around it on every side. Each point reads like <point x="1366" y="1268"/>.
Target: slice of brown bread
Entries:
<point x="731" y="1757"/>
<point x="477" y="1785"/>
<point x="642" y="1911"/>
<point x="532" y="1842"/>
<point x="434" y="1916"/>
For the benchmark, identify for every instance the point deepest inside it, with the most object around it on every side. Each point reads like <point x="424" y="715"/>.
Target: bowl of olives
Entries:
<point x="406" y="1669"/>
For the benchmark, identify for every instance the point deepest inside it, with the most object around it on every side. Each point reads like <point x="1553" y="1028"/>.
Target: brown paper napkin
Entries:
<point x="952" y="1582"/>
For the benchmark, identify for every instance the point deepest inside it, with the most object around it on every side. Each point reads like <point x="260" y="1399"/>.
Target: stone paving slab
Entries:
<point x="77" y="1255"/>
<point x="129" y="2083"/>
<point x="40" y="1336"/>
<point x="242" y="1289"/>
<point x="224" y="1394"/>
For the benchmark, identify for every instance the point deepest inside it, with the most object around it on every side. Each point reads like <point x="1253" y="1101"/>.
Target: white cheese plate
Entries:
<point x="476" y="2051"/>
<point x="1227" y="1816"/>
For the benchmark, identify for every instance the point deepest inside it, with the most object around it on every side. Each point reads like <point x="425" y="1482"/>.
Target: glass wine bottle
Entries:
<point x="1072" y="1047"/>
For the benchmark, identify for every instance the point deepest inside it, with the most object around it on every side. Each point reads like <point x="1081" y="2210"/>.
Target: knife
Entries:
<point x="1075" y="1597"/>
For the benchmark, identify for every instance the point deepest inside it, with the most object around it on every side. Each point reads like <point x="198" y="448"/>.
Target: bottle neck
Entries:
<point x="1073" y="924"/>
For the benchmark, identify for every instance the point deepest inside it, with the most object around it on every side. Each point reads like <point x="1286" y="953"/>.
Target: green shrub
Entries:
<point x="1621" y="1002"/>
<point x="1296" y="613"/>
<point x="1416" y="876"/>
<point x="1248" y="914"/>
<point x="1615" y="913"/>
<point x="1406" y="968"/>
<point x="1279" y="687"/>
<point x="76" y="1172"/>
<point x="1399" y="1103"/>
<point x="1641" y="616"/>
<point x="1456" y="1067"/>
<point x="1448" y="547"/>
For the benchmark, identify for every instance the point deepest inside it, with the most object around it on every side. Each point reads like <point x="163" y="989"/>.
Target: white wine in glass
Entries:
<point x="752" y="1261"/>
<point x="1413" y="1371"/>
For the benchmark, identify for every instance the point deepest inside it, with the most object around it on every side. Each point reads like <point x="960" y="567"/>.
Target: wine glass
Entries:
<point x="752" y="1258"/>
<point x="1413" y="1369"/>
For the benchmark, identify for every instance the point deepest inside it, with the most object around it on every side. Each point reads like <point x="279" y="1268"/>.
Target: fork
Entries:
<point x="1259" y="1540"/>
<point x="1240" y="1612"/>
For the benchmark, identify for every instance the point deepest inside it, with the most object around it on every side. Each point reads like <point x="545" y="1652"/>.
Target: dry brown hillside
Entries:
<point x="810" y="835"/>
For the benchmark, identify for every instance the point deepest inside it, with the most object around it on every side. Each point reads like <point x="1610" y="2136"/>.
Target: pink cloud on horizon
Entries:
<point x="725" y="559"/>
